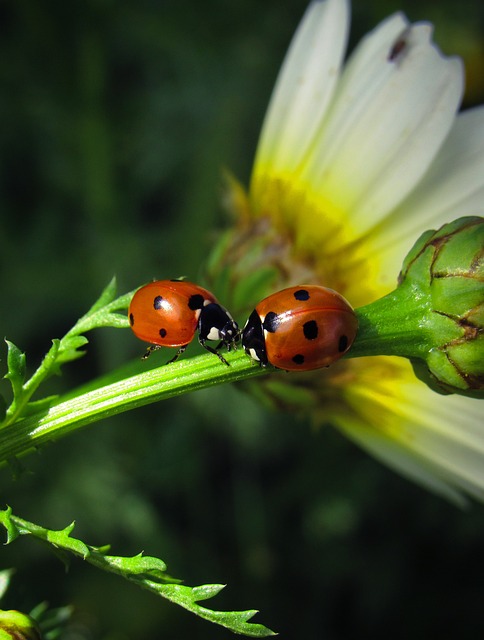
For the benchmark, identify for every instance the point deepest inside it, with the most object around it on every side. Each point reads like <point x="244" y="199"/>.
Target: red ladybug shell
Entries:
<point x="166" y="312"/>
<point x="301" y="328"/>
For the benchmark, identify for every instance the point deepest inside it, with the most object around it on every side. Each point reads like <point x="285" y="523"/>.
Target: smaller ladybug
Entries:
<point x="300" y="328"/>
<point x="168" y="313"/>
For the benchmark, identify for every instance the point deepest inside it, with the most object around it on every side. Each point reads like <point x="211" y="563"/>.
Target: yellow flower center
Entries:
<point x="321" y="235"/>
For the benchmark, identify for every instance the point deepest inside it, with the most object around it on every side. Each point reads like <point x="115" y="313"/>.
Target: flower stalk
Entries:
<point x="133" y="392"/>
<point x="434" y="318"/>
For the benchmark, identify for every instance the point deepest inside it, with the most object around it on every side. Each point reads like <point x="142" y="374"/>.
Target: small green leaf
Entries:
<point x="10" y="526"/>
<point x="236" y="621"/>
<point x="136" y="565"/>
<point x="69" y="349"/>
<point x="102" y="313"/>
<point x="63" y="539"/>
<point x="108" y="294"/>
<point x="51" y="355"/>
<point x="206" y="591"/>
<point x="16" y="368"/>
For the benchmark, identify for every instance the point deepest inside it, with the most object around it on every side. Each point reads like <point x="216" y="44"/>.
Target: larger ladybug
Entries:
<point x="168" y="313"/>
<point x="300" y="328"/>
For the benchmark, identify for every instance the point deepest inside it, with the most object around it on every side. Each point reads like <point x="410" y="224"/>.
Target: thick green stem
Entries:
<point x="136" y="391"/>
<point x="395" y="325"/>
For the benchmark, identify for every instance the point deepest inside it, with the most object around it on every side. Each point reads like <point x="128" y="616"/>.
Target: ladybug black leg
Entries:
<point x="214" y="351"/>
<point x="149" y="351"/>
<point x="177" y="354"/>
<point x="232" y="344"/>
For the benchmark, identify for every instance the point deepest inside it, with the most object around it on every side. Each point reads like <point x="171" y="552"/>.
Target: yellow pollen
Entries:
<point x="321" y="234"/>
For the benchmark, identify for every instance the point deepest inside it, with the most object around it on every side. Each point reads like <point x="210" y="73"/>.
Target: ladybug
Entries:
<point x="168" y="313"/>
<point x="300" y="328"/>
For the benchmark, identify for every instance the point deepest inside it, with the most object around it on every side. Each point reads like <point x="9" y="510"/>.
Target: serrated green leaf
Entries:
<point x="69" y="349"/>
<point x="102" y="313"/>
<point x="51" y="355"/>
<point x="138" y="564"/>
<point x="63" y="539"/>
<point x="206" y="591"/>
<point x="102" y="550"/>
<point x="236" y="621"/>
<point x="145" y="571"/>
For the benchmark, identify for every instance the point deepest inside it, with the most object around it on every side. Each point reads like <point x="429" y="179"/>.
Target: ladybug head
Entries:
<point x="230" y="333"/>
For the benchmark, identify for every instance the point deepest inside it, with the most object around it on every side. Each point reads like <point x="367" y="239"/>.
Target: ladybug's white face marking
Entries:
<point x="253" y="354"/>
<point x="213" y="334"/>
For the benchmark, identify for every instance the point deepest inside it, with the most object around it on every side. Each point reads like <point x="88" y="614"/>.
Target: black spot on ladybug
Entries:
<point x="301" y="294"/>
<point x="310" y="330"/>
<point x="195" y="301"/>
<point x="131" y="319"/>
<point x="162" y="333"/>
<point x="271" y="322"/>
<point x="343" y="344"/>
<point x="158" y="303"/>
<point x="298" y="358"/>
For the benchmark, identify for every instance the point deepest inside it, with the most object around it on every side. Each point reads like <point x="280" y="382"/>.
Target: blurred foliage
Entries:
<point x="116" y="120"/>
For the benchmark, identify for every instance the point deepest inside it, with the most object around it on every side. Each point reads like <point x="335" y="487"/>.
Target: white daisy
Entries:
<point x="356" y="159"/>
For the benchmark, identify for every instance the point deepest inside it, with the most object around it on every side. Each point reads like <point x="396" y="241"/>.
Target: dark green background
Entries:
<point x="116" y="119"/>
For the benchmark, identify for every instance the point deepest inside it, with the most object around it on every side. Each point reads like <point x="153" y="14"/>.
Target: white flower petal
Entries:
<point x="356" y="89"/>
<point x="305" y="86"/>
<point x="454" y="184"/>
<point x="379" y="142"/>
<point x="436" y="440"/>
<point x="452" y="188"/>
<point x="354" y="168"/>
<point x="404" y="462"/>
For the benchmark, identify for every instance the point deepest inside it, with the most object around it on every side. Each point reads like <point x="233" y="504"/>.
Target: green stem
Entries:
<point x="395" y="325"/>
<point x="157" y="384"/>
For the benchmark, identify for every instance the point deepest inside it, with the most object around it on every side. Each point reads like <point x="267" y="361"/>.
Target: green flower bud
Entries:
<point x="18" y="626"/>
<point x="448" y="266"/>
<point x="436" y="315"/>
